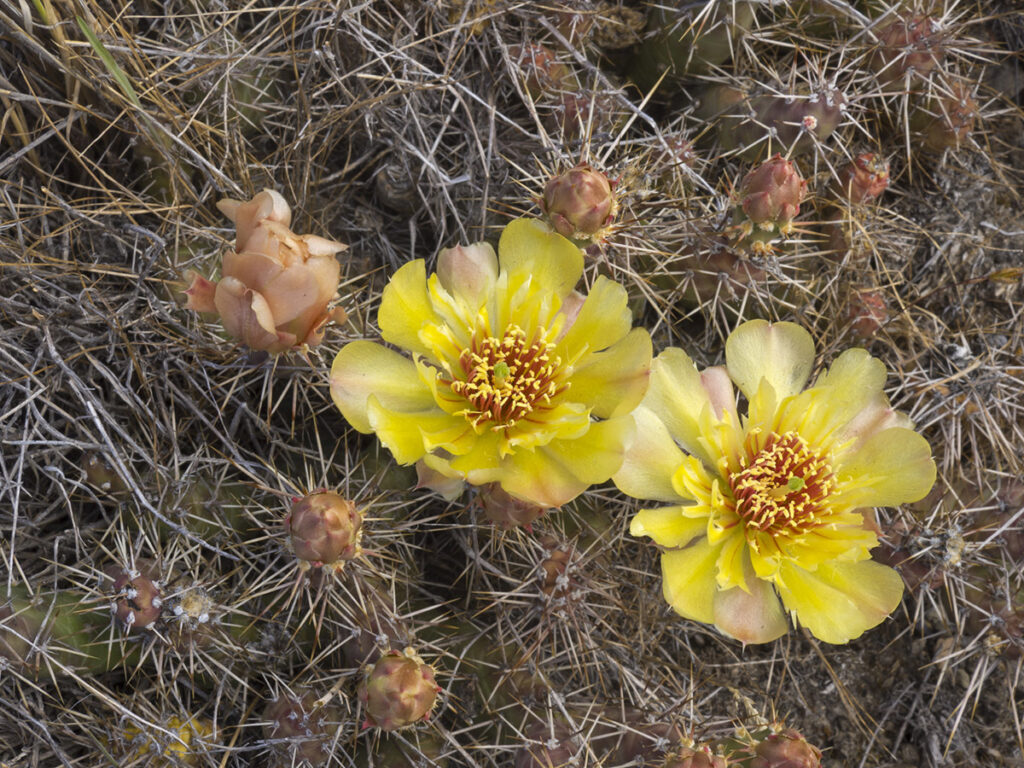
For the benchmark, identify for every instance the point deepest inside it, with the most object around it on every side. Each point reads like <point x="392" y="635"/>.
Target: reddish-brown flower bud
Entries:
<point x="542" y="72"/>
<point x="770" y="195"/>
<point x="866" y="311"/>
<point x="864" y="178"/>
<point x="908" y="43"/>
<point x="694" y="757"/>
<point x="325" y="529"/>
<point x="137" y="597"/>
<point x="580" y="203"/>
<point x="505" y="510"/>
<point x="788" y="749"/>
<point x="399" y="690"/>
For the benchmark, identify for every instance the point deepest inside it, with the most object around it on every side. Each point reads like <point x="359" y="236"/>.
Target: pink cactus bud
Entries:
<point x="325" y="528"/>
<point x="770" y="196"/>
<point x="505" y="510"/>
<point x="788" y="749"/>
<point x="137" y="597"/>
<point x="580" y="203"/>
<point x="399" y="690"/>
<point x="866" y="311"/>
<point x="541" y="71"/>
<point x="908" y="43"/>
<point x="694" y="757"/>
<point x="864" y="178"/>
<point x="276" y="285"/>
<point x="301" y="730"/>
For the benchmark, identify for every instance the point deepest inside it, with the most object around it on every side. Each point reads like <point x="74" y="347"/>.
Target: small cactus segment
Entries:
<point x="694" y="757"/>
<point x="505" y="510"/>
<point x="909" y="44"/>
<point x="300" y="729"/>
<point x="548" y="744"/>
<point x="137" y="598"/>
<point x="580" y="203"/>
<point x="787" y="749"/>
<point x="685" y="43"/>
<point x="770" y="197"/>
<point x="399" y="690"/>
<point x="188" y="742"/>
<point x="794" y="122"/>
<point x="325" y="529"/>
<point x="863" y="179"/>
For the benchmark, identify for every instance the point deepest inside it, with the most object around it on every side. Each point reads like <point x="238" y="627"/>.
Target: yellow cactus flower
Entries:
<point x="772" y="512"/>
<point x="515" y="378"/>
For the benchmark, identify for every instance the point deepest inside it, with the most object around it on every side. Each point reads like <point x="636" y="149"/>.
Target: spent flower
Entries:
<point x="515" y="378"/>
<point x="275" y="285"/>
<point x="772" y="511"/>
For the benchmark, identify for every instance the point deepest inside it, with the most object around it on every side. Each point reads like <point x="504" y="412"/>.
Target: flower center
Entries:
<point x="784" y="485"/>
<point x="507" y="378"/>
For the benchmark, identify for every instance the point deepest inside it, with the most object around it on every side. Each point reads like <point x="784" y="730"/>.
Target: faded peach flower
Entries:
<point x="275" y="285"/>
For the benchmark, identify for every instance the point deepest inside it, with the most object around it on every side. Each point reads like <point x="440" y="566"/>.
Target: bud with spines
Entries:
<point x="399" y="690"/>
<point x="505" y="510"/>
<point x="580" y="204"/>
<point x="694" y="757"/>
<point x="769" y="200"/>
<point x="907" y="44"/>
<point x="325" y="529"/>
<point x="785" y="749"/>
<point x="863" y="179"/>
<point x="137" y="598"/>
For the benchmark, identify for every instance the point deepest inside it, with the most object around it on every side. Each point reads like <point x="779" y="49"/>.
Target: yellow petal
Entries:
<point x="403" y="432"/>
<point x="750" y="617"/>
<point x="363" y="368"/>
<point x="614" y="381"/>
<point x="888" y="468"/>
<point x="602" y="321"/>
<point x="555" y="474"/>
<point x="650" y="461"/>
<point x="529" y="251"/>
<point x="839" y="601"/>
<point x="782" y="353"/>
<point x="405" y="307"/>
<point x="689" y="580"/>
<point x="853" y="383"/>
<point x="668" y="526"/>
<point x="468" y="272"/>
<point x="677" y="395"/>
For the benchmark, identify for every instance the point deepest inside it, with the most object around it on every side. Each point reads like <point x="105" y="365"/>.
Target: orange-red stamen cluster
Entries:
<point x="783" y="485"/>
<point x="506" y="379"/>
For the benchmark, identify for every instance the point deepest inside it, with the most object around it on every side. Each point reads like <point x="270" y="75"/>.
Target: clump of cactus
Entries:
<point x="163" y="603"/>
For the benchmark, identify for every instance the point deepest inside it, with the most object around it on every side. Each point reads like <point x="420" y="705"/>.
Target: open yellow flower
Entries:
<point x="515" y="378"/>
<point x="776" y="505"/>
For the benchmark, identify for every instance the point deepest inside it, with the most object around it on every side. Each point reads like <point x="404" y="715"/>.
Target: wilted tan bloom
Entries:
<point x="276" y="285"/>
